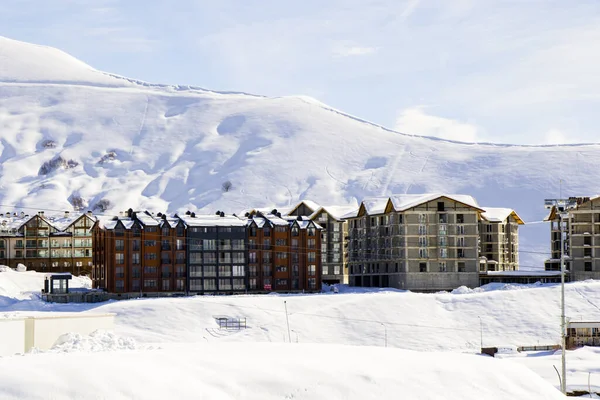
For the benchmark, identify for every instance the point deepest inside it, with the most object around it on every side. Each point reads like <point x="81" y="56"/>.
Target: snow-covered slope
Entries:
<point x="171" y="148"/>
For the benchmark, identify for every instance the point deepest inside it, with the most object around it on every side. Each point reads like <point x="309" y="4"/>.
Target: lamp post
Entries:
<point x="562" y="205"/>
<point x="480" y="333"/>
<point x="385" y="331"/>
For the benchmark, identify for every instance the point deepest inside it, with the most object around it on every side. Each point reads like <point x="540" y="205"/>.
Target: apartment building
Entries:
<point x="216" y="256"/>
<point x="334" y="237"/>
<point x="423" y="242"/>
<point x="499" y="239"/>
<point x="284" y="253"/>
<point x="581" y="229"/>
<point x="47" y="242"/>
<point x="138" y="252"/>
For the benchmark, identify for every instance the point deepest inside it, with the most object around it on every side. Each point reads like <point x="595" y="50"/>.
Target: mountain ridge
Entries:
<point x="170" y="148"/>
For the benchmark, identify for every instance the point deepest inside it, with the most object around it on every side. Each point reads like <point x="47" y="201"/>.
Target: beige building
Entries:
<point x="499" y="240"/>
<point x="47" y="242"/>
<point x="582" y="239"/>
<point x="334" y="237"/>
<point x="423" y="242"/>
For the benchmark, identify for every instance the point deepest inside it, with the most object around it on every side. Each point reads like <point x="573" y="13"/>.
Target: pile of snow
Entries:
<point x="266" y="371"/>
<point x="95" y="342"/>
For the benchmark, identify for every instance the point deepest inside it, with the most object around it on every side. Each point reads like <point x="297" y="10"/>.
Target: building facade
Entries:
<point x="334" y="238"/>
<point x="284" y="253"/>
<point x="47" y="242"/>
<point x="581" y="229"/>
<point x="138" y="252"/>
<point x="499" y="239"/>
<point x="415" y="242"/>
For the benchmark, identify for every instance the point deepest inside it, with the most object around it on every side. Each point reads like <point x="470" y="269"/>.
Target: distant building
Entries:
<point x="423" y="242"/>
<point x="284" y="253"/>
<point x="499" y="239"/>
<point x="334" y="237"/>
<point x="582" y="239"/>
<point x="47" y="242"/>
<point x="583" y="333"/>
<point x="139" y="253"/>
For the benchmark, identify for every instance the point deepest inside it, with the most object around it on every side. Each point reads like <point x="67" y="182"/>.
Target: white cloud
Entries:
<point x="556" y="136"/>
<point x="415" y="121"/>
<point x="346" y="51"/>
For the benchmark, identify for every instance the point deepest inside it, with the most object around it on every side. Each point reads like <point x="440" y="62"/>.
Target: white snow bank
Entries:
<point x="95" y="342"/>
<point x="20" y="285"/>
<point x="269" y="371"/>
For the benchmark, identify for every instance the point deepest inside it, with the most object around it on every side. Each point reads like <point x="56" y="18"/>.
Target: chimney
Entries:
<point x="40" y="213"/>
<point x="66" y="214"/>
<point x="89" y="213"/>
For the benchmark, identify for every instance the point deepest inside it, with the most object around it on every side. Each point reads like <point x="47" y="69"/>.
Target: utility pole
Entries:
<point x="385" y="331"/>
<point x="562" y="206"/>
<point x="480" y="333"/>
<point x="287" y="319"/>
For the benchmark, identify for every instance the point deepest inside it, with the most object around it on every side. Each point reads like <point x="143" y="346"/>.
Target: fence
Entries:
<point x="231" y="323"/>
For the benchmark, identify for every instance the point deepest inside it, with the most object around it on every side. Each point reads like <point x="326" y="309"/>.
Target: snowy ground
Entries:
<point x="341" y="338"/>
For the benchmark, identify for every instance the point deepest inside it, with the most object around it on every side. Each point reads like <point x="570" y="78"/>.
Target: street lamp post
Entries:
<point x="562" y="206"/>
<point x="480" y="333"/>
<point x="385" y="331"/>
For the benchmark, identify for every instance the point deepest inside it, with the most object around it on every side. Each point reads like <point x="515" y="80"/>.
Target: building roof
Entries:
<point x="497" y="214"/>
<point x="311" y="205"/>
<point x="212" y="220"/>
<point x="336" y="212"/>
<point x="521" y="273"/>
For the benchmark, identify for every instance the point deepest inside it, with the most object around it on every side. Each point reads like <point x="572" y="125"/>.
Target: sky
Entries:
<point x="501" y="71"/>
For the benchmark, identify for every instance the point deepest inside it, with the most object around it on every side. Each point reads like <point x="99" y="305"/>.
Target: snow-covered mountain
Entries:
<point x="72" y="134"/>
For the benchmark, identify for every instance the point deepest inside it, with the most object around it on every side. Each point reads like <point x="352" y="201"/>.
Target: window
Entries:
<point x="238" y="284"/>
<point x="166" y="284"/>
<point x="444" y="253"/>
<point x="119" y="245"/>
<point x="150" y="270"/>
<point x="423" y="241"/>
<point x="422" y="218"/>
<point x="280" y="242"/>
<point x="149" y="243"/>
<point x="224" y="284"/>
<point x="136" y="272"/>
<point x="423" y="253"/>
<point x="151" y="229"/>
<point x="460" y="242"/>
<point x="180" y="258"/>
<point x="294" y="243"/>
<point x="588" y="266"/>
<point x="119" y="258"/>
<point x="266" y="244"/>
<point x="209" y="244"/>
<point x="210" y="270"/>
<point x="195" y="271"/>
<point x="460" y="230"/>
<point x="180" y="285"/>
<point x="237" y="257"/>
<point x="180" y="230"/>
<point x="196" y="285"/>
<point x="135" y="229"/>
<point x="422" y="267"/>
<point x="442" y="267"/>
<point x="119" y="285"/>
<point x="312" y="243"/>
<point x="460" y="218"/>
<point x="281" y="282"/>
<point x="238" y="270"/>
<point x="252" y="270"/>
<point x="422" y="230"/>
<point x="252" y="283"/>
<point x="282" y="255"/>
<point x="225" y="257"/>
<point x="489" y="228"/>
<point x="295" y="231"/>
<point x="210" y="258"/>
<point x="266" y="257"/>
<point x="120" y="272"/>
<point x="281" y="268"/>
<point x="135" y="285"/>
<point x="280" y="229"/>
<point x="267" y="270"/>
<point x="587" y="252"/>
<point x="460" y="253"/>
<point x="252" y="231"/>
<point x="312" y="283"/>
<point x="311" y="231"/>
<point x="166" y="231"/>
<point x="166" y="245"/>
<point x="442" y="241"/>
<point x="150" y="283"/>
<point x="180" y="271"/>
<point x="312" y="270"/>
<point x="135" y="245"/>
<point x="252" y="257"/>
<point x="461" y="267"/>
<point x="266" y="231"/>
<point x="224" y="270"/>
<point x="150" y="256"/>
<point x="440" y="206"/>
<point x="311" y="256"/>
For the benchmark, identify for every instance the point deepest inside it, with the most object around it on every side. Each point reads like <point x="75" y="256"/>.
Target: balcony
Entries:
<point x="165" y="247"/>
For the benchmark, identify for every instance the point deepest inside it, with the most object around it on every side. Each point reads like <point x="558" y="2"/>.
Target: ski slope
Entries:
<point x="347" y="333"/>
<point x="170" y="148"/>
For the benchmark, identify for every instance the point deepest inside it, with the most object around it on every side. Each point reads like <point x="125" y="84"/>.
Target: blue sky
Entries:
<point x="506" y="71"/>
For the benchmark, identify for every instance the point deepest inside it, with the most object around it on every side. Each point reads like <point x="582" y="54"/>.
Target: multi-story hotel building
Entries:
<point x="499" y="239"/>
<point x="284" y="253"/>
<point x="581" y="229"/>
<point x="47" y="242"/>
<point x="418" y="242"/>
<point x="334" y="237"/>
<point x="140" y="253"/>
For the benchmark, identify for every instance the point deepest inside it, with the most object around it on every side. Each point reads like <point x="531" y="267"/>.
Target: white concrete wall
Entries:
<point x="12" y="335"/>
<point x="19" y="335"/>
<point x="47" y="329"/>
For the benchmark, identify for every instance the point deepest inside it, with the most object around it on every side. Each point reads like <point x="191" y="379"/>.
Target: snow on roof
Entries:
<point x="147" y="219"/>
<point x="336" y="212"/>
<point x="212" y="220"/>
<point x="403" y="202"/>
<point x="498" y="214"/>
<point x="539" y="273"/>
<point x="312" y="205"/>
